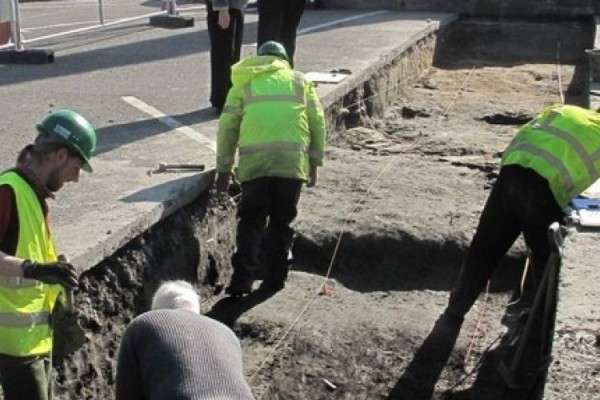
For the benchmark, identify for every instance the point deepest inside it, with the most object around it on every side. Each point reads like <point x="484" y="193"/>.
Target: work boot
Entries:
<point x="274" y="282"/>
<point x="240" y="285"/>
<point x="277" y="275"/>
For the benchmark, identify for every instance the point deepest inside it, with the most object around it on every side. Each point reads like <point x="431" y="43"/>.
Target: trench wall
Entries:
<point x="192" y="244"/>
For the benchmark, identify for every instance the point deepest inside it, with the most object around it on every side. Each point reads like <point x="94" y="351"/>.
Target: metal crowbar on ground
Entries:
<point x="166" y="167"/>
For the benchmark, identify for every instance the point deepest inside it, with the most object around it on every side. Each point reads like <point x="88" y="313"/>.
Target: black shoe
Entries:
<point x="274" y="282"/>
<point x="272" y="285"/>
<point x="239" y="286"/>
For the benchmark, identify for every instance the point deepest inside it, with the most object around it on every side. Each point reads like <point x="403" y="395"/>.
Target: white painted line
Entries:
<point x="340" y="21"/>
<point x="187" y="11"/>
<point x="43" y="27"/>
<point x="55" y="4"/>
<point x="331" y="23"/>
<point x="171" y="122"/>
<point x="93" y="27"/>
<point x="106" y="25"/>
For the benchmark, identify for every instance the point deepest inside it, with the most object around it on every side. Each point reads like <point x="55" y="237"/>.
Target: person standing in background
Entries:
<point x="278" y="20"/>
<point x="7" y="20"/>
<point x="225" y="20"/>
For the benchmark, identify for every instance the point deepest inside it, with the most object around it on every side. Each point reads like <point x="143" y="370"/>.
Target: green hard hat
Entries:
<point x="70" y="128"/>
<point x="273" y="48"/>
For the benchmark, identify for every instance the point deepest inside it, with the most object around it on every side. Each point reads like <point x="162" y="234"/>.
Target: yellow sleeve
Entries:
<point x="229" y="130"/>
<point x="316" y="123"/>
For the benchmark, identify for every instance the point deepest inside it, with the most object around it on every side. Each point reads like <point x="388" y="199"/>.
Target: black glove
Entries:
<point x="58" y="272"/>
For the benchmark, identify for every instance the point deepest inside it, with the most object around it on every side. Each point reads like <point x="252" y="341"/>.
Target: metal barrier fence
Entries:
<point x="19" y="43"/>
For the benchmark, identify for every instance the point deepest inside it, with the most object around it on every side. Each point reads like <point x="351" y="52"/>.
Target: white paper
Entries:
<point x="589" y="217"/>
<point x="325" y="77"/>
<point x="593" y="192"/>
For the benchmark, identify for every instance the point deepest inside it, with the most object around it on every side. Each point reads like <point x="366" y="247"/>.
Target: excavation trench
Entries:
<point x="439" y="139"/>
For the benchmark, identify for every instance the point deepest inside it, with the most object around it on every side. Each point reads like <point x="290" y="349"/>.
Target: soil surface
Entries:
<point x="406" y="190"/>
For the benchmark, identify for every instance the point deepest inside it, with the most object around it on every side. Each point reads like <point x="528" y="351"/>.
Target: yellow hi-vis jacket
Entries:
<point x="274" y="116"/>
<point x="562" y="144"/>
<point x="26" y="304"/>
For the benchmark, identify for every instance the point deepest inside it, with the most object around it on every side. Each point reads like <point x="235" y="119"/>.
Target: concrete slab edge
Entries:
<point x="181" y="195"/>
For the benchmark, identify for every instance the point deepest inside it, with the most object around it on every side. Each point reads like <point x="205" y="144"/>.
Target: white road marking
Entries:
<point x="192" y="10"/>
<point x="248" y="48"/>
<point x="310" y="29"/>
<point x="171" y="122"/>
<point x="339" y="21"/>
<point x="43" y="27"/>
<point x="55" y="4"/>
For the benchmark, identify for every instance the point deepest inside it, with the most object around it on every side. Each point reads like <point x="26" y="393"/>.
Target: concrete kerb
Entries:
<point x="181" y="194"/>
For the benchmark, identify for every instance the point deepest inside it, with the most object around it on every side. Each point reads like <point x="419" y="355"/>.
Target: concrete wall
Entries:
<point x="492" y="8"/>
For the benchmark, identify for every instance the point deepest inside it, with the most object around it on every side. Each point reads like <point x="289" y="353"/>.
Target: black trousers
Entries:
<point x="268" y="207"/>
<point x="278" y="20"/>
<point x="225" y="50"/>
<point x="26" y="378"/>
<point x="520" y="202"/>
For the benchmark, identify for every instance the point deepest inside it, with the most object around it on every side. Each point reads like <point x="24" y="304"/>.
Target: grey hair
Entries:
<point x="176" y="295"/>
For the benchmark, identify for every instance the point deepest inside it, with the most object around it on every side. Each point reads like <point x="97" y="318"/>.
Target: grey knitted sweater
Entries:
<point x="224" y="4"/>
<point x="180" y="355"/>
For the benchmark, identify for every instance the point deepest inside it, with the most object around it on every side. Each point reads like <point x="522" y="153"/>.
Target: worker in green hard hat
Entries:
<point x="273" y="48"/>
<point x="32" y="274"/>
<point x="274" y="119"/>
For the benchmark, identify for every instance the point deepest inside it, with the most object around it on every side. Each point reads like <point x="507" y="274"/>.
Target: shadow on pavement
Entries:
<point x="114" y="136"/>
<point x="162" y="191"/>
<point x="189" y="42"/>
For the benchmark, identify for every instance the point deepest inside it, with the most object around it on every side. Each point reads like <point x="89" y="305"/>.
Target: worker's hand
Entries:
<point x="58" y="272"/>
<point x="312" y="178"/>
<point x="222" y="183"/>
<point x="224" y="19"/>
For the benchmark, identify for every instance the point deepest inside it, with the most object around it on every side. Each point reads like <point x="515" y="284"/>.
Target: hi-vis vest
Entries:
<point x="26" y="304"/>
<point x="280" y="148"/>
<point x="274" y="134"/>
<point x="562" y="144"/>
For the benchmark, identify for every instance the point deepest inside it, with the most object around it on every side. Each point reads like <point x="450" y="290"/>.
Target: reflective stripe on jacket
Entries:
<point x="25" y="304"/>
<point x="562" y="144"/>
<point x="274" y="116"/>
